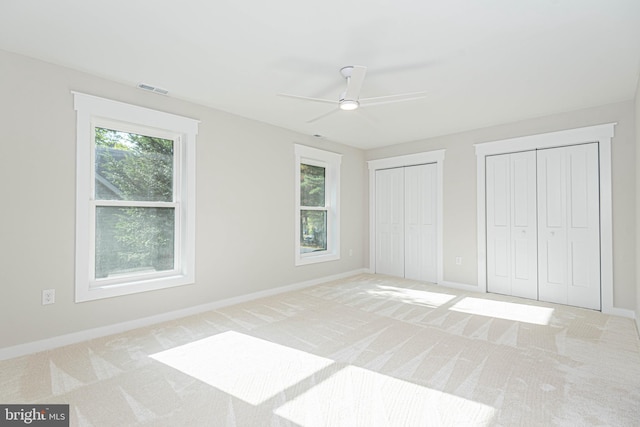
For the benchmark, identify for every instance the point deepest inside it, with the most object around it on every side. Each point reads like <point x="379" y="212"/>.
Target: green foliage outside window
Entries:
<point x="313" y="223"/>
<point x="133" y="167"/>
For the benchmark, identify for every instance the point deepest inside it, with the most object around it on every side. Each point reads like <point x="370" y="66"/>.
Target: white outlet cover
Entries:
<point x="48" y="296"/>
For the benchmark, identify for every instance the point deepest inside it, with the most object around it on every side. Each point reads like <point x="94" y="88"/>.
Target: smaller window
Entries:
<point x="317" y="205"/>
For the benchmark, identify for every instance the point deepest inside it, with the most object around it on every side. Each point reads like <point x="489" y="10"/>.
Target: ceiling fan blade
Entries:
<point x="363" y="113"/>
<point x="315" y="119"/>
<point x="392" y="99"/>
<point x="355" y="82"/>
<point x="306" y="98"/>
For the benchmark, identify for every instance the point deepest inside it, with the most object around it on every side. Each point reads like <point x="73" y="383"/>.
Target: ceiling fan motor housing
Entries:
<point x="348" y="104"/>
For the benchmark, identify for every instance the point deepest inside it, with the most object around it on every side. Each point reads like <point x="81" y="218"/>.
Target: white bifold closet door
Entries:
<point x="406" y="237"/>
<point x="512" y="266"/>
<point x="569" y="225"/>
<point x="420" y="235"/>
<point x="390" y="222"/>
<point x="543" y="225"/>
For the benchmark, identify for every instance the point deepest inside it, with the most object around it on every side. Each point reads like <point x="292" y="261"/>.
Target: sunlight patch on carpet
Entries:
<point x="246" y="367"/>
<point x="411" y="296"/>
<point x="504" y="310"/>
<point x="356" y="396"/>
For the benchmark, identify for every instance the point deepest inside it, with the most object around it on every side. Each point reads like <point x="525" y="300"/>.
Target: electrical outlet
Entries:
<point x="48" y="296"/>
<point x="458" y="260"/>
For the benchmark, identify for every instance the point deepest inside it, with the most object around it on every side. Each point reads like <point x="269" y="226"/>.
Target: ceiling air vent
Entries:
<point x="153" y="89"/>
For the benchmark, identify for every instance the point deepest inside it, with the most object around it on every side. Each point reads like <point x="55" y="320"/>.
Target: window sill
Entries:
<point x="91" y="293"/>
<point x="316" y="259"/>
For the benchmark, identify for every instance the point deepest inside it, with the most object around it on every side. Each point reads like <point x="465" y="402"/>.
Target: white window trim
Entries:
<point x="330" y="161"/>
<point x="602" y="134"/>
<point x="92" y="110"/>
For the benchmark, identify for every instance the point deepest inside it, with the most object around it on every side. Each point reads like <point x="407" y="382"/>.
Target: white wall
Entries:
<point x="245" y="206"/>
<point x="460" y="188"/>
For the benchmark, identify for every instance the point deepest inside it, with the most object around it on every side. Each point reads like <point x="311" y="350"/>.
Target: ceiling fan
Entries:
<point x="350" y="99"/>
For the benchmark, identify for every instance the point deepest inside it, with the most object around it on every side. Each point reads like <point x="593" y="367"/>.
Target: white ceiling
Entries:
<point x="482" y="62"/>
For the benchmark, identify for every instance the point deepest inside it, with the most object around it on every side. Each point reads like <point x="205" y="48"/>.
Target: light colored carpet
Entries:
<point x="366" y="351"/>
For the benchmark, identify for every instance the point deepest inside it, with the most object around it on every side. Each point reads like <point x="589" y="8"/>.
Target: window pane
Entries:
<point x="134" y="240"/>
<point x="130" y="166"/>
<point x="313" y="231"/>
<point x="312" y="184"/>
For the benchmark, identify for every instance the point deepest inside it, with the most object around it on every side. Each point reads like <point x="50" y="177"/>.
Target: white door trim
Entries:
<point x="437" y="157"/>
<point x="601" y="134"/>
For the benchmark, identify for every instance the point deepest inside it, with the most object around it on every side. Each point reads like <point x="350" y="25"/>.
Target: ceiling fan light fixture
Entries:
<point x="349" y="104"/>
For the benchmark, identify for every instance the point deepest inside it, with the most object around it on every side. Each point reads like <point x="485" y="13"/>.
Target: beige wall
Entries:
<point x="245" y="205"/>
<point x="244" y="202"/>
<point x="637" y="118"/>
<point x="460" y="229"/>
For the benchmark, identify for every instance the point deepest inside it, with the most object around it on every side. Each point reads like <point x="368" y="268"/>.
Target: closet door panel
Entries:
<point x="413" y="238"/>
<point x="390" y="222"/>
<point x="555" y="261"/>
<point x="554" y="188"/>
<point x="420" y="223"/>
<point x="583" y="226"/>
<point x="498" y="224"/>
<point x="543" y="225"/>
<point x="521" y="255"/>
<point x="523" y="171"/>
<point x="552" y="238"/>
<point x="569" y="228"/>
<point x="511" y="224"/>
<point x="524" y="264"/>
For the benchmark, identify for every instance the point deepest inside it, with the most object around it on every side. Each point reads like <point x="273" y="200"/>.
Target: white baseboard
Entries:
<point x="460" y="286"/>
<point x="622" y="312"/>
<point x="88" y="334"/>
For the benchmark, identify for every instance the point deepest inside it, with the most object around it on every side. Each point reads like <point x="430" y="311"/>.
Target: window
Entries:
<point x="135" y="199"/>
<point x="317" y="205"/>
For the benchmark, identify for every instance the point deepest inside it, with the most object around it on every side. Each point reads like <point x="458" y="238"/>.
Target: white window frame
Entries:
<point x="92" y="112"/>
<point x="331" y="162"/>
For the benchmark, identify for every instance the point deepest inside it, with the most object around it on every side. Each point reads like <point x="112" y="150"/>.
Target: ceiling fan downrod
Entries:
<point x="344" y="103"/>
